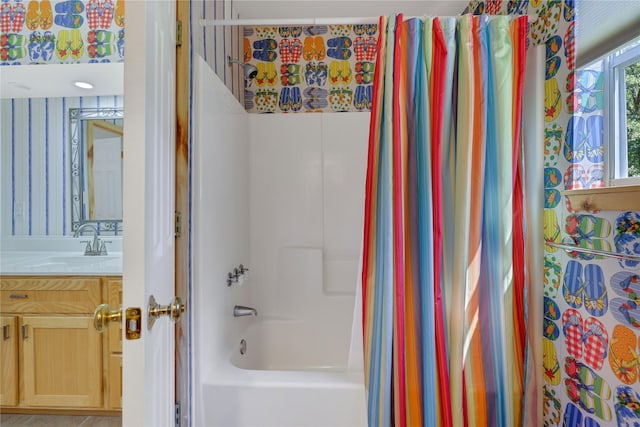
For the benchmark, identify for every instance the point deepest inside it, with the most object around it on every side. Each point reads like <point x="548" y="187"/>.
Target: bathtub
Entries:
<point x="282" y="379"/>
<point x="302" y="365"/>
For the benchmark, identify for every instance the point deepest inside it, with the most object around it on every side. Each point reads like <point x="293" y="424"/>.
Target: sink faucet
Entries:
<point x="95" y="247"/>
<point x="240" y="310"/>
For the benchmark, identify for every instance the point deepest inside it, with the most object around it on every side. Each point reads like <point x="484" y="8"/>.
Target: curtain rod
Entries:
<point x="315" y="21"/>
<point x="574" y="248"/>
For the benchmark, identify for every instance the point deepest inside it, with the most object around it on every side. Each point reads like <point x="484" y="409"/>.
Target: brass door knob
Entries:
<point x="173" y="310"/>
<point x="104" y="315"/>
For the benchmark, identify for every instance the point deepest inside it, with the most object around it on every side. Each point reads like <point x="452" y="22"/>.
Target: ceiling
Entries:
<point x="600" y="23"/>
<point x="56" y="80"/>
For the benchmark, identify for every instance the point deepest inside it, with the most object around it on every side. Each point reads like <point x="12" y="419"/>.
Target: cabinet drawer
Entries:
<point x="49" y="295"/>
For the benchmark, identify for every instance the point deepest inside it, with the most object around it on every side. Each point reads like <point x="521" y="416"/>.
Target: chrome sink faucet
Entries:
<point x="95" y="246"/>
<point x="240" y="311"/>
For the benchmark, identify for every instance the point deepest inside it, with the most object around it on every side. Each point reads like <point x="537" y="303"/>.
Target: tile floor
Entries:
<point x="15" y="420"/>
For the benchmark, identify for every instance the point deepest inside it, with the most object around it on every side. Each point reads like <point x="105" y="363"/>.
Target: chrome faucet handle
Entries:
<point x="231" y="279"/>
<point x="103" y="247"/>
<point x="87" y="249"/>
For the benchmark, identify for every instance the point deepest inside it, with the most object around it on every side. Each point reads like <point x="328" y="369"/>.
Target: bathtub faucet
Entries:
<point x="240" y="310"/>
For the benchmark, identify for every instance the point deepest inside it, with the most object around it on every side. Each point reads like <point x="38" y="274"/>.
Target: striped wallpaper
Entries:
<point x="214" y="44"/>
<point x="34" y="159"/>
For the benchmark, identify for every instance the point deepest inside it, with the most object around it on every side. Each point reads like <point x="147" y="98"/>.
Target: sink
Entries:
<point x="83" y="259"/>
<point x="82" y="263"/>
<point x="47" y="266"/>
<point x="65" y="255"/>
<point x="62" y="263"/>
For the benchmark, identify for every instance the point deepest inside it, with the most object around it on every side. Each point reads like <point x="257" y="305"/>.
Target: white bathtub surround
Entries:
<point x="307" y="191"/>
<point x="311" y="332"/>
<point x="282" y="195"/>
<point x="220" y="226"/>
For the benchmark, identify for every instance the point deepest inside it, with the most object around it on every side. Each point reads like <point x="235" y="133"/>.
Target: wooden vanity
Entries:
<point x="52" y="358"/>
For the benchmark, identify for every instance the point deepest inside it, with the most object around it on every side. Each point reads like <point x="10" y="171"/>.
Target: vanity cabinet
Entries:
<point x="52" y="357"/>
<point x="114" y="350"/>
<point x="62" y="362"/>
<point x="9" y="361"/>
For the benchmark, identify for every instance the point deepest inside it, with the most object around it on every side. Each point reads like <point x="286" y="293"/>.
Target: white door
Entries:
<point x="148" y="211"/>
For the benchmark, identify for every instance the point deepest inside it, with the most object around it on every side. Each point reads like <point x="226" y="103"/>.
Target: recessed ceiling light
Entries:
<point x="83" y="85"/>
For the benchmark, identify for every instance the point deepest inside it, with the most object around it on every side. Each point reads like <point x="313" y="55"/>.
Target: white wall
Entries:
<point x="307" y="195"/>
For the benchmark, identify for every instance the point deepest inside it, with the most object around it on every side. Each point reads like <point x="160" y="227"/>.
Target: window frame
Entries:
<point x="615" y="111"/>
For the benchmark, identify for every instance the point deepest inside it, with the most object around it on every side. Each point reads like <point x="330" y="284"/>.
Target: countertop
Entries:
<point x="60" y="264"/>
<point x="57" y="257"/>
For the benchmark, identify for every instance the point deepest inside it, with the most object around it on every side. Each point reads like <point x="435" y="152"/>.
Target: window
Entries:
<point x="622" y="81"/>
<point x="604" y="131"/>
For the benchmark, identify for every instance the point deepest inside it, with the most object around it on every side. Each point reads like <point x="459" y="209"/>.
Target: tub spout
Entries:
<point x="240" y="310"/>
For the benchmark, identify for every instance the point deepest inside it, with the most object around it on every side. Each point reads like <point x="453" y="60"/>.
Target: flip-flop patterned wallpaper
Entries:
<point x="60" y="32"/>
<point x="591" y="342"/>
<point x="310" y="68"/>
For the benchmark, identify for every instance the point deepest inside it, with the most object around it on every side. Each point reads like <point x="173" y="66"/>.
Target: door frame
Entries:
<point x="183" y="213"/>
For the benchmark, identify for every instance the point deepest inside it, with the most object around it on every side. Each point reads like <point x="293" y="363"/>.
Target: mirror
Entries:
<point x="96" y="168"/>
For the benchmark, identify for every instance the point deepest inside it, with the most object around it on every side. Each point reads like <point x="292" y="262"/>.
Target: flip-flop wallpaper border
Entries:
<point x="61" y="32"/>
<point x="322" y="68"/>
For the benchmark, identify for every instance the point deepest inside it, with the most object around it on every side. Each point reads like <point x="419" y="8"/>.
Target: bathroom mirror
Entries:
<point x="95" y="136"/>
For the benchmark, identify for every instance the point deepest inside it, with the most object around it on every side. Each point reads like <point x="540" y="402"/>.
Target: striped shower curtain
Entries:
<point x="443" y="252"/>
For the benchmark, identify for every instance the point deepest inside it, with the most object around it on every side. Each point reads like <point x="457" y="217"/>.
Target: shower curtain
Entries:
<point x="443" y="275"/>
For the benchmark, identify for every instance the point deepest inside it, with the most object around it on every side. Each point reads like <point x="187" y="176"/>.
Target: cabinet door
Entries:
<point x="62" y="362"/>
<point x="114" y="377"/>
<point x="114" y="298"/>
<point x="115" y="381"/>
<point x="8" y="362"/>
